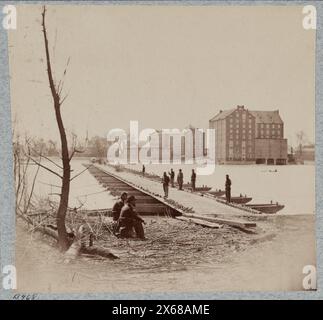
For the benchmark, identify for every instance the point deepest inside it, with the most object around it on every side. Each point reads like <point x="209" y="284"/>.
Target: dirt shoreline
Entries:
<point x="176" y="257"/>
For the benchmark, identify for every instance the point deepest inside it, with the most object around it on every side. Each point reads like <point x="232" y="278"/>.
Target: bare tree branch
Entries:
<point x="81" y="172"/>
<point x="75" y="151"/>
<point x="62" y="100"/>
<point x="44" y="167"/>
<point x="50" y="160"/>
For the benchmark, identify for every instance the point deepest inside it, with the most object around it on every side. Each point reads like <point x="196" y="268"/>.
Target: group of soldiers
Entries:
<point x="170" y="179"/>
<point x="126" y="219"/>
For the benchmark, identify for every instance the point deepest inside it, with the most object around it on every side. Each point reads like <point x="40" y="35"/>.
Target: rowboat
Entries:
<point x="197" y="189"/>
<point x="216" y="193"/>
<point x="240" y="200"/>
<point x="270" y="208"/>
<point x="203" y="189"/>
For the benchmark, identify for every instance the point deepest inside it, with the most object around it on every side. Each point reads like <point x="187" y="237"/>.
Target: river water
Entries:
<point x="291" y="185"/>
<point x="84" y="189"/>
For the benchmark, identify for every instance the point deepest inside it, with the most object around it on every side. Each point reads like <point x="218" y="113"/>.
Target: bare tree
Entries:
<point x="56" y="91"/>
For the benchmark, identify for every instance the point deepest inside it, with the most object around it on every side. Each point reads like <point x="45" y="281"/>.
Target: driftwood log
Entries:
<point x="79" y="246"/>
<point x="78" y="241"/>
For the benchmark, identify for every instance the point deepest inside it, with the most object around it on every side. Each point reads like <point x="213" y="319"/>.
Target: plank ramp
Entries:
<point x="201" y="222"/>
<point x="230" y="222"/>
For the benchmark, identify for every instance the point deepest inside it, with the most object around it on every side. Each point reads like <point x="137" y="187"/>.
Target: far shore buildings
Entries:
<point x="242" y="136"/>
<point x="245" y="136"/>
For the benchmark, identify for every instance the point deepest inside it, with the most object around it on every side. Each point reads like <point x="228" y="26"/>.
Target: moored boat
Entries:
<point x="216" y="193"/>
<point x="203" y="189"/>
<point x="270" y="208"/>
<point x="240" y="199"/>
<point x="197" y="189"/>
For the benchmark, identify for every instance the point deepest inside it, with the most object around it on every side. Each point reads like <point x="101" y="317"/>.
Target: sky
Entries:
<point x="165" y="66"/>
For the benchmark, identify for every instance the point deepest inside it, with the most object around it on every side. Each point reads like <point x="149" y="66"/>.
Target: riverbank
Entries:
<point x="177" y="257"/>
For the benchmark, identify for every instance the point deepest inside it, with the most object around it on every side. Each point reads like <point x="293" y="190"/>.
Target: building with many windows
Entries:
<point x="244" y="136"/>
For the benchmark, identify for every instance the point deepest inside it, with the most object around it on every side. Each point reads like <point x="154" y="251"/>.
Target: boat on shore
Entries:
<point x="270" y="208"/>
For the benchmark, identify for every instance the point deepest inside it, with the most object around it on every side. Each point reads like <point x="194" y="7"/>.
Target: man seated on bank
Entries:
<point x="116" y="210"/>
<point x="130" y="220"/>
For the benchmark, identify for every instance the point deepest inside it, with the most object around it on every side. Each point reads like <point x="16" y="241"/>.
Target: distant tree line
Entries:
<point x="93" y="147"/>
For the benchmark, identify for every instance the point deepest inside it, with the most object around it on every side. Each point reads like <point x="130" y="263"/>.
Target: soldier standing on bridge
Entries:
<point x="172" y="177"/>
<point x="143" y="170"/>
<point x="193" y="180"/>
<point x="228" y="188"/>
<point x="180" y="179"/>
<point x="129" y="219"/>
<point x="165" y="184"/>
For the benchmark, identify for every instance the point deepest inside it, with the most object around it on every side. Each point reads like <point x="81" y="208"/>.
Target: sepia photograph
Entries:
<point x="163" y="148"/>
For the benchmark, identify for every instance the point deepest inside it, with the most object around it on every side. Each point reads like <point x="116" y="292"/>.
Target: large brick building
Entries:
<point x="244" y="136"/>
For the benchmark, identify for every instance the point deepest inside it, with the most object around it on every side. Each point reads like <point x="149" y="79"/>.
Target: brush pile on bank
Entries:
<point x="170" y="244"/>
<point x="173" y="244"/>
